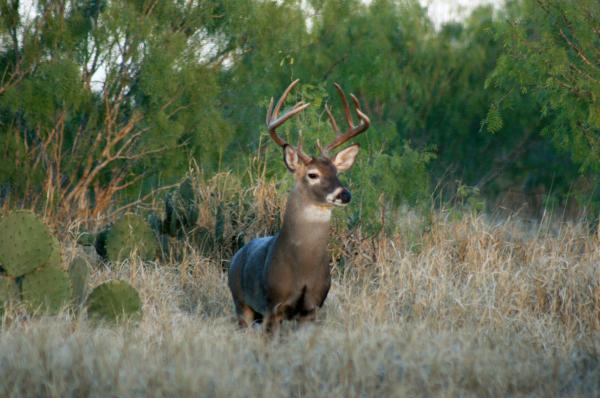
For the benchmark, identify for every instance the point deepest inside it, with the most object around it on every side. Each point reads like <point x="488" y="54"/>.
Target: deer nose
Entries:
<point x="344" y="196"/>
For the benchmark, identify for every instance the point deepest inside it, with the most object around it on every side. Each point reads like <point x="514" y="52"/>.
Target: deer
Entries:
<point x="287" y="276"/>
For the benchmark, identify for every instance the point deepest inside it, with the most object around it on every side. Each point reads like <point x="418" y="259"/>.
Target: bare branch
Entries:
<point x="578" y="50"/>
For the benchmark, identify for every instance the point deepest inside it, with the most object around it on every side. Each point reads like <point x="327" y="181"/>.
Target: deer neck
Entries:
<point x="305" y="224"/>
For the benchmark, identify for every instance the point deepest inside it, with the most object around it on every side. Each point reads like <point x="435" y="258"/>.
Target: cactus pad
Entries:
<point x="46" y="289"/>
<point x="100" y="243"/>
<point x="186" y="191"/>
<point x="8" y="291"/>
<point x="181" y="210"/>
<point x="114" y="300"/>
<point x="55" y="258"/>
<point x="79" y="273"/>
<point x="155" y="222"/>
<point x="131" y="235"/>
<point x="26" y="243"/>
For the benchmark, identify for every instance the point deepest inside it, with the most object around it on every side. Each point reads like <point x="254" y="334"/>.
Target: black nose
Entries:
<point x="345" y="196"/>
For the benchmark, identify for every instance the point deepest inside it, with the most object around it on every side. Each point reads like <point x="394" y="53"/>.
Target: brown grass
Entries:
<point x="470" y="307"/>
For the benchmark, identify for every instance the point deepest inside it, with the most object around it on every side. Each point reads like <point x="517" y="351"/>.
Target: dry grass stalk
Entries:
<point x="482" y="308"/>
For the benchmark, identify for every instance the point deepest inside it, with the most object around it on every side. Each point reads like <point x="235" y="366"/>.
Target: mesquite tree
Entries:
<point x="102" y="97"/>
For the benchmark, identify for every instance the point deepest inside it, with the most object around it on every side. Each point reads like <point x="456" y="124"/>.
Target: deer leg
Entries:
<point x="307" y="317"/>
<point x="257" y="318"/>
<point x="245" y="314"/>
<point x="274" y="318"/>
<point x="272" y="324"/>
<point x="308" y="310"/>
<point x="246" y="318"/>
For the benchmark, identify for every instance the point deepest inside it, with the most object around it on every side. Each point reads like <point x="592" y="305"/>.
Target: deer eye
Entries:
<point x="313" y="176"/>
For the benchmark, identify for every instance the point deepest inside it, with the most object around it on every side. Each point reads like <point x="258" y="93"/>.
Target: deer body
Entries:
<point x="287" y="276"/>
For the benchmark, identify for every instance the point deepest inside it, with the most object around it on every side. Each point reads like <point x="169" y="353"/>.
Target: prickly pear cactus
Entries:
<point x="170" y="224"/>
<point x="100" y="243"/>
<point x="79" y="273"/>
<point x="55" y="259"/>
<point x="46" y="289"/>
<point x="165" y="246"/>
<point x="131" y="235"/>
<point x="155" y="222"/>
<point x="26" y="243"/>
<point x="8" y="291"/>
<point x="113" y="301"/>
<point x="186" y="191"/>
<point x="181" y="210"/>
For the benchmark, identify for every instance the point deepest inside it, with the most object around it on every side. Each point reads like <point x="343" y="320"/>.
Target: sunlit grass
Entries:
<point x="482" y="308"/>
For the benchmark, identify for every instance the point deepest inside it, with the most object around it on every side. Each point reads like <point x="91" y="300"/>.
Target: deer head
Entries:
<point x="317" y="177"/>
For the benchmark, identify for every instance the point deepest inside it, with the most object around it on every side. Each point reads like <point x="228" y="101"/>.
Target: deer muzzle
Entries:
<point x="344" y="197"/>
<point x="340" y="197"/>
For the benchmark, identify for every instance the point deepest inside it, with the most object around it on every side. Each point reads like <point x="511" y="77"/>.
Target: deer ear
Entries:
<point x="290" y="157"/>
<point x="343" y="160"/>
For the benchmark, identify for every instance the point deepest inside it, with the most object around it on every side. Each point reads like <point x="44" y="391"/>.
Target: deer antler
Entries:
<point x="274" y="120"/>
<point x="353" y="130"/>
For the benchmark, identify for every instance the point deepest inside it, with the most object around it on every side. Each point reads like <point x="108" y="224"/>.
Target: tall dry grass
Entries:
<point x="467" y="306"/>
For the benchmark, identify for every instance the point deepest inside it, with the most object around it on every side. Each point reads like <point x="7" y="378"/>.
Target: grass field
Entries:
<point x="476" y="308"/>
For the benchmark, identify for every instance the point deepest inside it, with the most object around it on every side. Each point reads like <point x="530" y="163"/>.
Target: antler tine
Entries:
<point x="273" y="124"/>
<point x="345" y="102"/>
<point x="269" y="111"/>
<point x="299" y="147"/>
<point x="353" y="130"/>
<point x="322" y="151"/>
<point x="305" y="158"/>
<point x="332" y="120"/>
<point x="274" y="120"/>
<point x="284" y="96"/>
<point x="362" y="116"/>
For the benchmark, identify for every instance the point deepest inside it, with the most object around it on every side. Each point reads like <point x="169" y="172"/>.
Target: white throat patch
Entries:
<point x="316" y="213"/>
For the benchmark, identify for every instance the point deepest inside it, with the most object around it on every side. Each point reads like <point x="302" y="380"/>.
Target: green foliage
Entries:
<point x="47" y="289"/>
<point x="128" y="236"/>
<point x="552" y="58"/>
<point x="383" y="182"/>
<point x="114" y="301"/>
<point x="469" y="198"/>
<point x="493" y="120"/>
<point x="103" y="101"/>
<point x="79" y="273"/>
<point x="26" y="243"/>
<point x="88" y="80"/>
<point x="418" y="85"/>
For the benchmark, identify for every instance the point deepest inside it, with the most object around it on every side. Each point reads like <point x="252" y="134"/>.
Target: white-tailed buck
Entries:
<point x="287" y="276"/>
